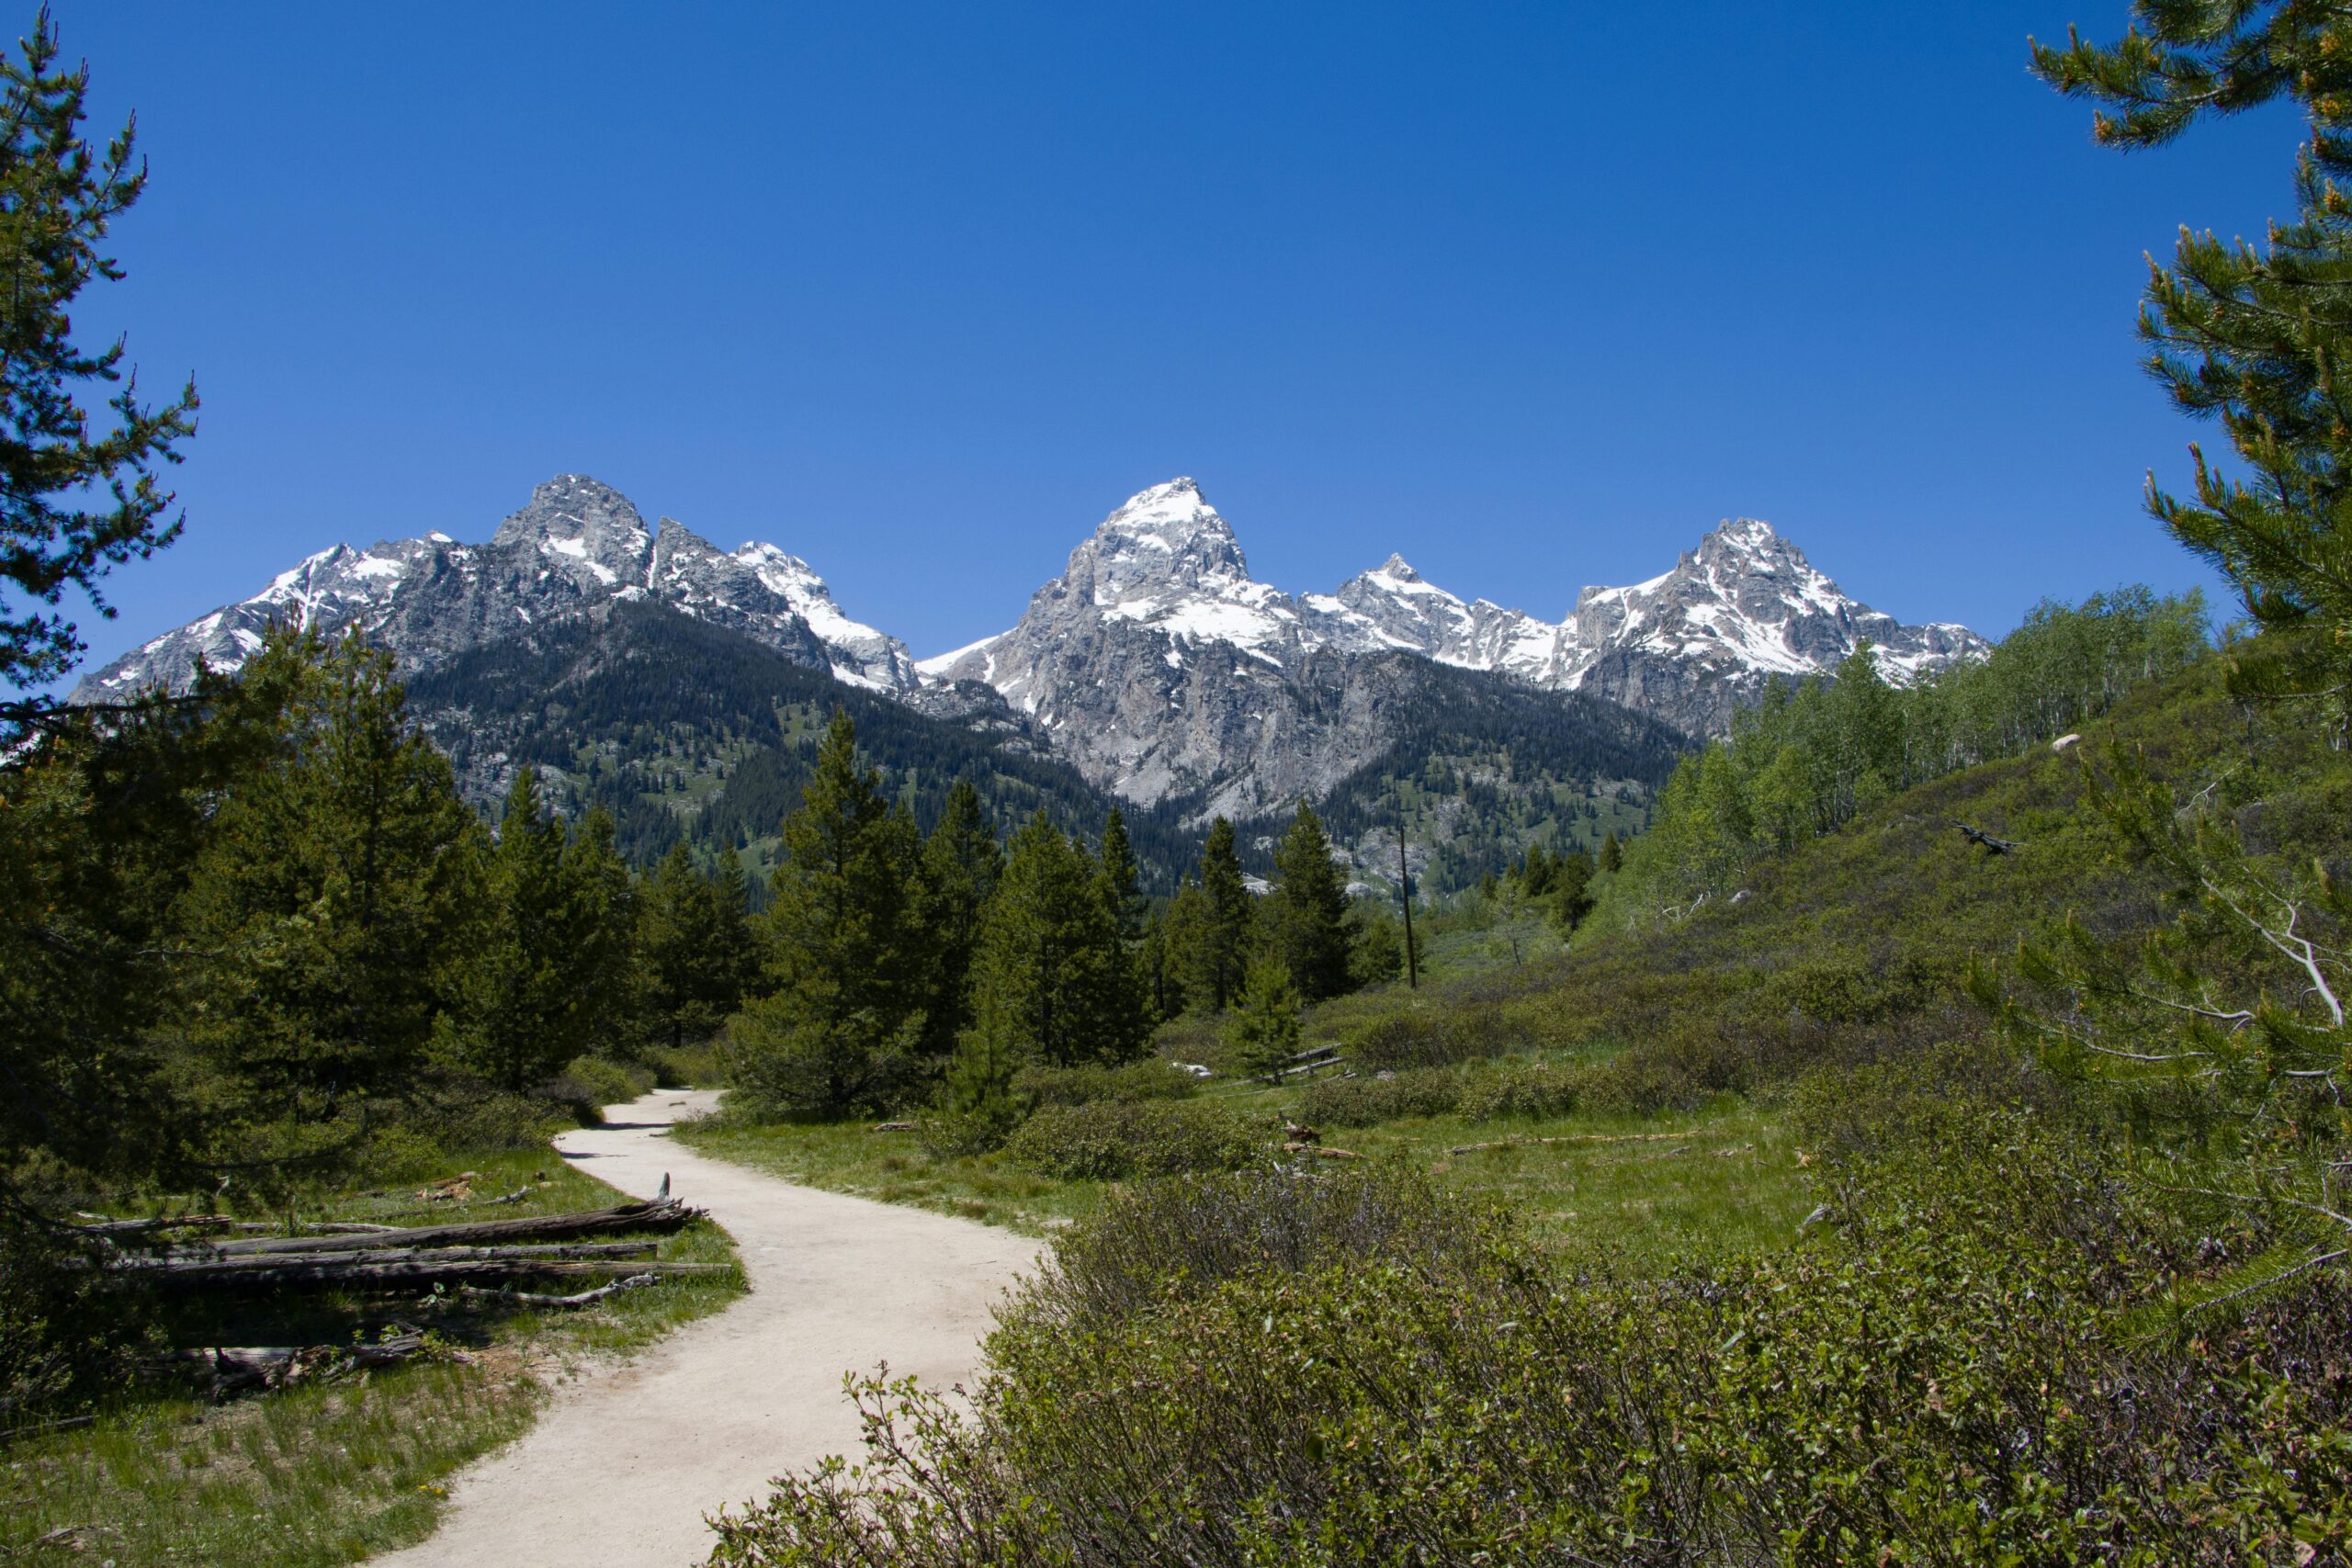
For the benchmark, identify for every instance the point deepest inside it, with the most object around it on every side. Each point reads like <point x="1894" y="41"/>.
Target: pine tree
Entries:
<point x="1184" y="929"/>
<point x="1612" y="854"/>
<point x="1306" y="917"/>
<point x="694" y="945"/>
<point x="1264" y="1032"/>
<point x="978" y="1107"/>
<point x="1377" y="955"/>
<point x="603" y="919"/>
<point x="1121" y="883"/>
<point x="2258" y="337"/>
<point x="961" y="864"/>
<point x="328" y="905"/>
<point x="71" y="506"/>
<point x="1123" y="1001"/>
<point x="1571" y="892"/>
<point x="843" y="1027"/>
<point x="1038" y="977"/>
<point x="522" y="1015"/>
<point x="1221" y="948"/>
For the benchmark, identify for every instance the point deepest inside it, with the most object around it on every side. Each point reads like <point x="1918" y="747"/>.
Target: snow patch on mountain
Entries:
<point x="577" y="548"/>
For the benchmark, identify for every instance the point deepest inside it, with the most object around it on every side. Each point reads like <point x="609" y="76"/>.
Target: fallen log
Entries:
<point x="346" y="1274"/>
<point x="200" y="1265"/>
<point x="1566" y="1138"/>
<point x="584" y="1298"/>
<point x="237" y="1367"/>
<point x="1992" y="844"/>
<point x="129" y="1229"/>
<point x="654" y="1214"/>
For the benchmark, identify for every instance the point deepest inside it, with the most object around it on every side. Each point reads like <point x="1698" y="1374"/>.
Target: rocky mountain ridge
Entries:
<point x="577" y="548"/>
<point x="1158" y="664"/>
<point x="1155" y="664"/>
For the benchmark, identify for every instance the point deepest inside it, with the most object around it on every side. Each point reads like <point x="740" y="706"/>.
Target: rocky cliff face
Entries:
<point x="576" y="550"/>
<point x="1157" y="665"/>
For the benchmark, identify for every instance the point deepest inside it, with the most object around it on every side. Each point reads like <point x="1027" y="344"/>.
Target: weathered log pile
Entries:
<point x="480" y="1252"/>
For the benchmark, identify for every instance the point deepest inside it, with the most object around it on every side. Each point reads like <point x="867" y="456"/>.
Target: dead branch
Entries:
<point x="1992" y="844"/>
<point x="508" y="1294"/>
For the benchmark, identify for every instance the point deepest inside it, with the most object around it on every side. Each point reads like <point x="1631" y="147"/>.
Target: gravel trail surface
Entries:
<point x="628" y="1457"/>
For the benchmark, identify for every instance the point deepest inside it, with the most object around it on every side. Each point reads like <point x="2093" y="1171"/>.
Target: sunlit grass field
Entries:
<point x="1722" y="1179"/>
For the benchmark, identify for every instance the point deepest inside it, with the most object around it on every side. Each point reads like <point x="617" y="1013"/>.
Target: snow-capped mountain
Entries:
<point x="576" y="549"/>
<point x="1157" y="664"/>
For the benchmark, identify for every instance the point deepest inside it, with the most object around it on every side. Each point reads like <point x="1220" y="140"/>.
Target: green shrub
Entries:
<point x="1537" y="1088"/>
<point x="456" y="1111"/>
<point x="63" y="1337"/>
<point x="1151" y="1079"/>
<point x="1268" y="1369"/>
<point x="1362" y="1102"/>
<point x="789" y="1064"/>
<point x="700" y="1065"/>
<point x="602" y="1081"/>
<point x="1109" y="1140"/>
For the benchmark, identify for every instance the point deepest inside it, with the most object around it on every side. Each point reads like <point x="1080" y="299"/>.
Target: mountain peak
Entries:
<point x="587" y="527"/>
<point x="1162" y="541"/>
<point x="1398" y="567"/>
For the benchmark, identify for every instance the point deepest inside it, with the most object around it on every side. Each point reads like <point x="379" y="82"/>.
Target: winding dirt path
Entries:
<point x="626" y="1458"/>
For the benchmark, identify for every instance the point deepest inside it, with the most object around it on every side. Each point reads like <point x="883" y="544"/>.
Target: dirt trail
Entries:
<point x="626" y="1459"/>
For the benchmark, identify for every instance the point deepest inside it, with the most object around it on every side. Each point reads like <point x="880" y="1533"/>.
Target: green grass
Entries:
<point x="892" y="1167"/>
<point x="1720" y="1180"/>
<point x="323" y="1475"/>
<point x="1710" y="1181"/>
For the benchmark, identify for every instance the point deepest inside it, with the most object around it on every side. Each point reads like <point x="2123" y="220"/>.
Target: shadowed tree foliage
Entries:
<point x="695" y="947"/>
<point x="334" y="888"/>
<point x="1216" y="938"/>
<point x="961" y="864"/>
<point x="844" y="1026"/>
<point x="72" y="503"/>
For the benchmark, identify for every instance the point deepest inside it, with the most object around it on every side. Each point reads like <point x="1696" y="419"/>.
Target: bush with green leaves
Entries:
<point x="1110" y="1140"/>
<point x="1269" y="1369"/>
<point x="1151" y="1079"/>
<point x="1363" y="1100"/>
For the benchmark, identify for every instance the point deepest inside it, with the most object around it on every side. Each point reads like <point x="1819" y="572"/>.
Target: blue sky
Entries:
<point x="1533" y="293"/>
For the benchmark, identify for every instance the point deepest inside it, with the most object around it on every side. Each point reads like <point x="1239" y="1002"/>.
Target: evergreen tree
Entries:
<point x="978" y="1107"/>
<point x="1571" y="891"/>
<point x="331" y="895"/>
<point x="1612" y="853"/>
<point x="842" y="1029"/>
<point x="528" y="1006"/>
<point x="1180" y="930"/>
<point x="1046" y="954"/>
<point x="1121" y="883"/>
<point x="1377" y="955"/>
<point x="1264" y="1030"/>
<point x="1220" y="947"/>
<point x="961" y="864"/>
<point x="604" y="917"/>
<point x="71" y="506"/>
<point x="2255" y="336"/>
<point x="694" y="945"/>
<point x="1122" y="1004"/>
<point x="1306" y="917"/>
